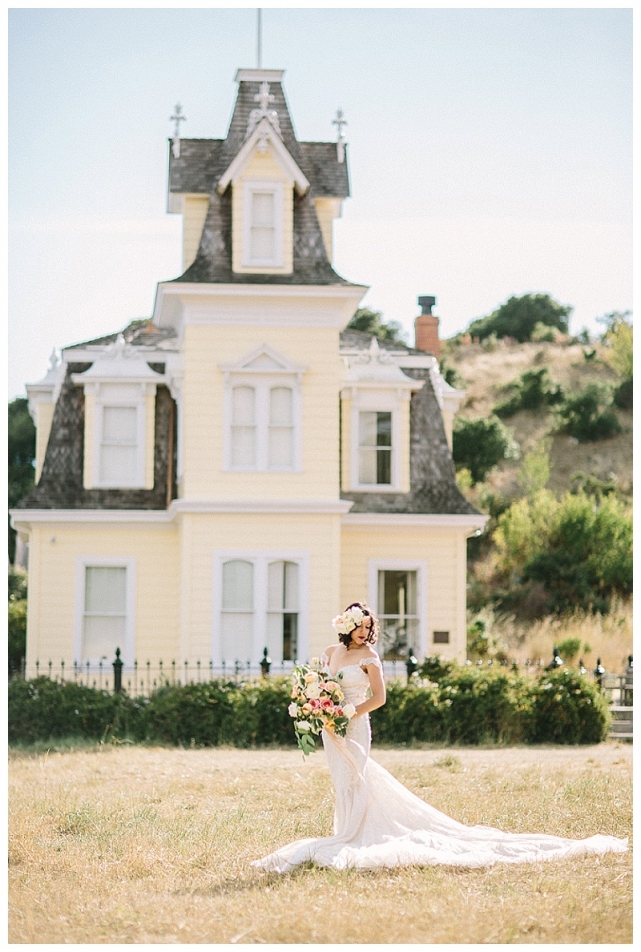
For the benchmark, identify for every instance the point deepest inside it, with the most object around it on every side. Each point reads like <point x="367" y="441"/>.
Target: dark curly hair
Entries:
<point x="374" y="630"/>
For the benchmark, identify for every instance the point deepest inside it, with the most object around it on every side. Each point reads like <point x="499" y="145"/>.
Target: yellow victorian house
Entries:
<point x="227" y="476"/>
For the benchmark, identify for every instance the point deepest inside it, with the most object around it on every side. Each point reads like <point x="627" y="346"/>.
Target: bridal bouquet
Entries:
<point x="317" y="704"/>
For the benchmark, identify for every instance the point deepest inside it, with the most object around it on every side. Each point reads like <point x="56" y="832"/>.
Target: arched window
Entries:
<point x="282" y="610"/>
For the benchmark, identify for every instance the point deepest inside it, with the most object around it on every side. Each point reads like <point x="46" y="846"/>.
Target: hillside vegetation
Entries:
<point x="486" y="373"/>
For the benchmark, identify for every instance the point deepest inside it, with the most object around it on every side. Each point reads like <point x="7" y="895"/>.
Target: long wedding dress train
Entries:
<point x="379" y="822"/>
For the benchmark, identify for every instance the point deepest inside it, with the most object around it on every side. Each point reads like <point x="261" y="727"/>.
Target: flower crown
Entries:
<point x="348" y="621"/>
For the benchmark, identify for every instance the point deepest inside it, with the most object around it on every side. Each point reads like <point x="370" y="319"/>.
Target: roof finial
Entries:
<point x="177" y="117"/>
<point x="259" y="40"/>
<point x="340" y="121"/>
<point x="263" y="97"/>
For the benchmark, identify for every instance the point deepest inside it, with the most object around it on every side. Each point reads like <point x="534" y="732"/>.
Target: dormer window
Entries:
<point x="375" y="448"/>
<point x="120" y="456"/>
<point x="263" y="237"/>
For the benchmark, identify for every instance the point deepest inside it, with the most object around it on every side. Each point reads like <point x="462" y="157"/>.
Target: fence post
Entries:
<point x="117" y="666"/>
<point x="265" y="664"/>
<point x="411" y="665"/>
<point x="599" y="671"/>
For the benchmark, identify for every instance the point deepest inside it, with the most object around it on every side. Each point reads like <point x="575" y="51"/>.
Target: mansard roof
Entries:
<point x="142" y="333"/>
<point x="199" y="169"/>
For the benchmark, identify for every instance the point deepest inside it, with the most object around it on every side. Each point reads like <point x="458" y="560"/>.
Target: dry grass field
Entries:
<point x="152" y="845"/>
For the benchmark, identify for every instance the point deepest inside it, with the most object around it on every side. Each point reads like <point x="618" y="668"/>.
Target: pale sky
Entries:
<point x="489" y="150"/>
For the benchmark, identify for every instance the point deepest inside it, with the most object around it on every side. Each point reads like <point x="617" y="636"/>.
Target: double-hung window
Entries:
<point x="104" y="609"/>
<point x="119" y="446"/>
<point x="398" y="588"/>
<point x="259" y="601"/>
<point x="375" y="448"/>
<point x="263" y="231"/>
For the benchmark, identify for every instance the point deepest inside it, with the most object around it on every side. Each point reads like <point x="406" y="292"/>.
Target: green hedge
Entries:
<point x="467" y="705"/>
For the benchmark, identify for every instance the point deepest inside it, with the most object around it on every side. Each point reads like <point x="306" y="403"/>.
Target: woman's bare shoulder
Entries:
<point x="371" y="657"/>
<point x="328" y="651"/>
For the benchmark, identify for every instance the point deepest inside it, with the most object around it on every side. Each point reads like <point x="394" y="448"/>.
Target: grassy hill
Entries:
<point x="486" y="371"/>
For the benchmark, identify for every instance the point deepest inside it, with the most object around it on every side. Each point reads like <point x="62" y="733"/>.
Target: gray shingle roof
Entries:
<point x="138" y="334"/>
<point x="211" y="158"/>
<point x="360" y="340"/>
<point x="433" y="486"/>
<point x="61" y="482"/>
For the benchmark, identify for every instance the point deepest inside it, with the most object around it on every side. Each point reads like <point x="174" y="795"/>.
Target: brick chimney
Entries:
<point x="426" y="328"/>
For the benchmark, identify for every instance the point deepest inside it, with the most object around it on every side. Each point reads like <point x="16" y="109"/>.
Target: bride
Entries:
<point x="377" y="821"/>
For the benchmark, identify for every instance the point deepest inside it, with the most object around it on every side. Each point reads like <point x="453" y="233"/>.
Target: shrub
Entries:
<point x="618" y="338"/>
<point x="17" y="632"/>
<point x="566" y="709"/>
<point x="569" y="648"/>
<point x="623" y="395"/>
<point x="467" y="705"/>
<point x="535" y="390"/>
<point x="586" y="416"/>
<point x="479" y="445"/>
<point x="42" y="709"/>
<point x="518" y="317"/>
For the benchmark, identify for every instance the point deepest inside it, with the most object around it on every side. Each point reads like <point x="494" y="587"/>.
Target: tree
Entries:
<point x="22" y="451"/>
<point x="518" y="317"/>
<point x="586" y="415"/>
<point x="574" y="552"/>
<point x="372" y="322"/>
<point x="478" y="445"/>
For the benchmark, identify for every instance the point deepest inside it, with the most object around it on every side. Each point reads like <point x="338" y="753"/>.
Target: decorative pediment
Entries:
<point x="264" y="360"/>
<point x="377" y="368"/>
<point x="119" y="363"/>
<point x="265" y="137"/>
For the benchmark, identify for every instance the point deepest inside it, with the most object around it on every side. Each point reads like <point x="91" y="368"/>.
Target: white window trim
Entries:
<point x="127" y="651"/>
<point x="263" y="382"/>
<point x="404" y="565"/>
<point x="383" y="407"/>
<point x="276" y="188"/>
<point x="104" y="399"/>
<point x="260" y="561"/>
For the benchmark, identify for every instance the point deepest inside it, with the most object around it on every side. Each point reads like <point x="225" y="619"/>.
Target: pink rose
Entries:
<point x="315" y="703"/>
<point x="327" y="705"/>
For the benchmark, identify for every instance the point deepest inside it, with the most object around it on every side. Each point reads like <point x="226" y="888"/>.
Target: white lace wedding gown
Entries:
<point x="378" y="822"/>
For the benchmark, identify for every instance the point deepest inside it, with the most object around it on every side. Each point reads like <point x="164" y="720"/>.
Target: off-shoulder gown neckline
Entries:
<point x="379" y="823"/>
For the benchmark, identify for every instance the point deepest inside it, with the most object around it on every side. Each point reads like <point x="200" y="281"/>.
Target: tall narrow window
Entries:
<point x="243" y="428"/>
<point x="281" y="428"/>
<point x="282" y="610"/>
<point x="105" y="612"/>
<point x="238" y="611"/>
<point x="263" y="245"/>
<point x="397" y="612"/>
<point x="375" y="448"/>
<point x="119" y="446"/>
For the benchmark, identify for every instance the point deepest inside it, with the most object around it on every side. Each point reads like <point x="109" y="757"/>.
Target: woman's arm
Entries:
<point x="377" y="684"/>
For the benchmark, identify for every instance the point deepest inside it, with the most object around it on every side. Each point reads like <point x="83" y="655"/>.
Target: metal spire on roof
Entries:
<point x="177" y="117"/>
<point x="340" y="121"/>
<point x="259" y="40"/>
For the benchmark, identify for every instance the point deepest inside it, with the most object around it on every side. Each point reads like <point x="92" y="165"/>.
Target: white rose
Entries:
<point x="312" y="691"/>
<point x="292" y="710"/>
<point x="349" y="710"/>
<point x="303" y="726"/>
<point x="330" y="686"/>
<point x="357" y="615"/>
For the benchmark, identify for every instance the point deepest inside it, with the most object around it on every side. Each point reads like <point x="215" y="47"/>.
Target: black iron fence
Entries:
<point x="143" y="678"/>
